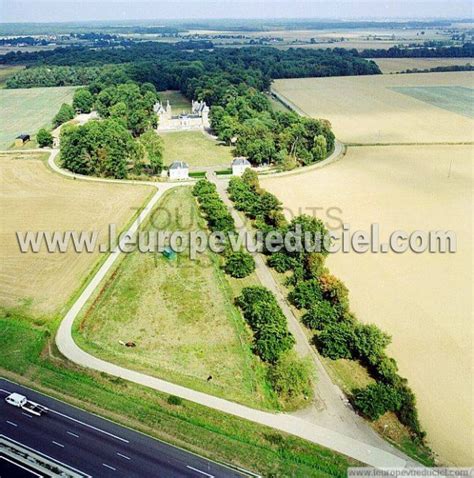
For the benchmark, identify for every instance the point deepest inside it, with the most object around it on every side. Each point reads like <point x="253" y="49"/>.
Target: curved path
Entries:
<point x="301" y="427"/>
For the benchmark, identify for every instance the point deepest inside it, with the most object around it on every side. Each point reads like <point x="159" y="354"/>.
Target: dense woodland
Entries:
<point x="231" y="81"/>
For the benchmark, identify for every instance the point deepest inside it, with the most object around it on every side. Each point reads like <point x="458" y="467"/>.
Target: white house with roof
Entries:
<point x="239" y="165"/>
<point x="178" y="170"/>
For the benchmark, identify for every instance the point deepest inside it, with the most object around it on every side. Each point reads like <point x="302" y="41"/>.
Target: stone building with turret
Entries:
<point x="197" y="119"/>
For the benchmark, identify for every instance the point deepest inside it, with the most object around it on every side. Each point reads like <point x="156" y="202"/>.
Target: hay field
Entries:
<point x="368" y="109"/>
<point x="423" y="300"/>
<point x="27" y="110"/>
<point x="32" y="198"/>
<point x="179" y="313"/>
<point x="396" y="65"/>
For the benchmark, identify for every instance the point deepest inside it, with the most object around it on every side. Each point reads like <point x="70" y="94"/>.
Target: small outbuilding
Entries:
<point x="239" y="165"/>
<point x="178" y="170"/>
<point x="21" y="139"/>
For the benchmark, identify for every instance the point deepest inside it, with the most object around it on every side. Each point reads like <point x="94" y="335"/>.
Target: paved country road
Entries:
<point x="95" y="446"/>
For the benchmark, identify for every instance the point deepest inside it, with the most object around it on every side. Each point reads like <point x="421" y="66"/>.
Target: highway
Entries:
<point x="95" y="446"/>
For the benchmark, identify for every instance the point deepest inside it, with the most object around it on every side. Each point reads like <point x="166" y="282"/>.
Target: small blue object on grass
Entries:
<point x="169" y="254"/>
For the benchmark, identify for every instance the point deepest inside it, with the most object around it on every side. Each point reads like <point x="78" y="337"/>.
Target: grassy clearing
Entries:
<point x="28" y="110"/>
<point x="196" y="149"/>
<point x="35" y="362"/>
<point x="179" y="313"/>
<point x="179" y="102"/>
<point x="32" y="198"/>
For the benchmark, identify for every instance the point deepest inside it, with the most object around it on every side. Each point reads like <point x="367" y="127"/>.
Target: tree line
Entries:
<point x="324" y="299"/>
<point x="466" y="50"/>
<point x="272" y="342"/>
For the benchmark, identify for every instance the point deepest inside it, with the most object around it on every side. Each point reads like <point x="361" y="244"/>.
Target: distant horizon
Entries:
<point x="86" y="11"/>
<point x="229" y="19"/>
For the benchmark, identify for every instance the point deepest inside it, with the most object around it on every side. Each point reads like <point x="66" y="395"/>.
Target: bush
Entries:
<point x="305" y="294"/>
<point x="44" y="138"/>
<point x="174" y="400"/>
<point x="320" y="315"/>
<point x="386" y="370"/>
<point x="377" y="399"/>
<point x="281" y="262"/>
<point x="334" y="290"/>
<point x="291" y="377"/>
<point x="239" y="264"/>
<point x="370" y="343"/>
<point x="336" y="341"/>
<point x="65" y="113"/>
<point x="314" y="265"/>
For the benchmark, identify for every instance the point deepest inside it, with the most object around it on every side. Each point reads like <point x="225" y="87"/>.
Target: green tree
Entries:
<point x="370" y="343"/>
<point x="336" y="341"/>
<point x="83" y="101"/>
<point x="305" y="294"/>
<point x="153" y="145"/>
<point x="44" y="138"/>
<point x="321" y="314"/>
<point x="377" y="399"/>
<point x="239" y="264"/>
<point x="65" y="113"/>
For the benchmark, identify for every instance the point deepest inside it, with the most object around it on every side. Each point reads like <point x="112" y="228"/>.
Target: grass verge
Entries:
<point x="35" y="362"/>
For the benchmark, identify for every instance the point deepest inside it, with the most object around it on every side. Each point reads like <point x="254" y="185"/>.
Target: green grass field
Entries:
<point x="179" y="102"/>
<point x="196" y="149"/>
<point x="180" y="315"/>
<point x="457" y="99"/>
<point x="27" y="110"/>
<point x="29" y="357"/>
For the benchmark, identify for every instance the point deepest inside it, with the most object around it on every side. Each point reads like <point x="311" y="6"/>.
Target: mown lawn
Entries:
<point x="196" y="149"/>
<point x="29" y="357"/>
<point x="27" y="110"/>
<point x="180" y="315"/>
<point x="179" y="103"/>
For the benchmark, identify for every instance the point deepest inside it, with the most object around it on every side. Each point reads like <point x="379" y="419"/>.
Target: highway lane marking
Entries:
<point x="58" y="444"/>
<point x="89" y="426"/>
<point x="109" y="467"/>
<point x="123" y="456"/>
<point x="12" y="424"/>
<point x="45" y="455"/>
<point x="200" y="471"/>
<point x="72" y="434"/>
<point x="27" y="415"/>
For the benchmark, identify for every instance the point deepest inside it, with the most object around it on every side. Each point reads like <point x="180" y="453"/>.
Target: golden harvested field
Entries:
<point x="396" y="65"/>
<point x="382" y="109"/>
<point x="423" y="300"/>
<point x="33" y="198"/>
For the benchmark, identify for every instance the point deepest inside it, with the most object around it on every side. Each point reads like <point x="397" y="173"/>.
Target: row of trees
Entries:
<point x="464" y="51"/>
<point x="272" y="342"/>
<point x="324" y="299"/>
<point x="290" y="376"/>
<point x="238" y="264"/>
